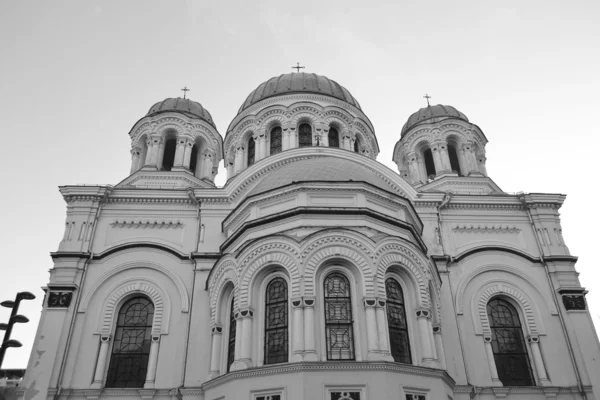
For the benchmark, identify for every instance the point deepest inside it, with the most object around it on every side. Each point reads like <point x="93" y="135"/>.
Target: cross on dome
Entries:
<point x="427" y="97"/>
<point x="297" y="67"/>
<point x="184" y="90"/>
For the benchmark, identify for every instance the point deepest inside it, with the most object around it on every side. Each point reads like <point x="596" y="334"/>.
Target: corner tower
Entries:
<point x="441" y="150"/>
<point x="175" y="145"/>
<point x="296" y="110"/>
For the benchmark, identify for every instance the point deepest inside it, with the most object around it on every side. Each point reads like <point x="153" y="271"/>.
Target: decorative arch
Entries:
<point x="225" y="272"/>
<point x="272" y="121"/>
<point x="419" y="279"/>
<point x="138" y="264"/>
<point x="165" y="128"/>
<point x="337" y="247"/>
<point x="460" y="289"/>
<point x="507" y="290"/>
<point x="305" y="114"/>
<point x="160" y="324"/>
<point x="274" y="258"/>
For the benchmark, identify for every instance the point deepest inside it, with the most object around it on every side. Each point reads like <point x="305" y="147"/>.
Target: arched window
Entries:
<point x="231" y="343"/>
<point x="275" y="140"/>
<point x="276" y="322"/>
<point x="251" y="150"/>
<point x="356" y="145"/>
<point x="429" y="164"/>
<point x="334" y="137"/>
<point x="168" y="158"/>
<point x="453" y="155"/>
<point x="131" y="348"/>
<point x="194" y="159"/>
<point x="304" y="135"/>
<point x="339" y="334"/>
<point x="396" y="315"/>
<point x="508" y="344"/>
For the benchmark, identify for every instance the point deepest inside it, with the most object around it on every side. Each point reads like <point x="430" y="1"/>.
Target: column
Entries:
<point x="297" y="329"/>
<point x="325" y="136"/>
<point x="187" y="152"/>
<point x="179" y="152"/>
<point x="481" y="159"/>
<point x="207" y="165"/>
<point x="310" y="353"/>
<point x="246" y="350"/>
<point x="161" y="154"/>
<point x="444" y="157"/>
<point x="260" y="148"/>
<point x="470" y="160"/>
<point x="413" y="168"/>
<point x="285" y="138"/>
<point x="437" y="159"/>
<point x="431" y="340"/>
<point x="229" y="167"/>
<point x="372" y="335"/>
<point x="152" y="363"/>
<point x="427" y="354"/>
<point x="238" y="340"/>
<point x="293" y="140"/>
<point x="491" y="362"/>
<point x="135" y="159"/>
<point x="239" y="159"/>
<point x="422" y="168"/>
<point x="534" y="343"/>
<point x="439" y="345"/>
<point x="384" y="346"/>
<point x="215" y="350"/>
<point x="149" y="144"/>
<point x="154" y="154"/>
<point x="101" y="364"/>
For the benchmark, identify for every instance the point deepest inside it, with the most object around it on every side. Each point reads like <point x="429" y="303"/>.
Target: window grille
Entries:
<point x="398" y="329"/>
<point x="231" y="343"/>
<point x="275" y="140"/>
<point x="345" y="395"/>
<point x="508" y="344"/>
<point x="304" y="135"/>
<point x="334" y="137"/>
<point x="276" y="322"/>
<point x="269" y="397"/>
<point x="338" y="318"/>
<point x="131" y="348"/>
<point x="415" y="397"/>
<point x="251" y="150"/>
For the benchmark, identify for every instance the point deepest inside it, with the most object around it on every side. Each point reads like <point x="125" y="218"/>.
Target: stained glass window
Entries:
<point x="338" y="317"/>
<point x="304" y="135"/>
<point x="396" y="315"/>
<point x="508" y="344"/>
<point x="231" y="343"/>
<point x="276" y="322"/>
<point x="334" y="137"/>
<point x="275" y="140"/>
<point x="251" y="151"/>
<point x="131" y="348"/>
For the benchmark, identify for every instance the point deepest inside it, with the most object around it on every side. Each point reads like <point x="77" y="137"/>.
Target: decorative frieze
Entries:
<point x="149" y="224"/>
<point x="479" y="229"/>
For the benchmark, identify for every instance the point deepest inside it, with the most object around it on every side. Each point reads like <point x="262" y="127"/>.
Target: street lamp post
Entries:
<point x="14" y="318"/>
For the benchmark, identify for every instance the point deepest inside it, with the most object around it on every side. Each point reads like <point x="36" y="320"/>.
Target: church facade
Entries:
<point x="315" y="272"/>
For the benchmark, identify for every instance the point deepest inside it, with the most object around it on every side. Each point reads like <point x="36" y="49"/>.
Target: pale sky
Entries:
<point x="76" y="75"/>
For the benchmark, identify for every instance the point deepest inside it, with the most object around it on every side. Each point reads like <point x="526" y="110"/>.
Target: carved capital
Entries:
<point x="59" y="299"/>
<point x="423" y="313"/>
<point x="370" y="302"/>
<point x="217" y="329"/>
<point x="297" y="302"/>
<point x="308" y="301"/>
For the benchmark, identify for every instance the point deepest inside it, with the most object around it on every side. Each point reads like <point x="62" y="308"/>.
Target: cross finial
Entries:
<point x="298" y="67"/>
<point x="184" y="90"/>
<point x="427" y="97"/>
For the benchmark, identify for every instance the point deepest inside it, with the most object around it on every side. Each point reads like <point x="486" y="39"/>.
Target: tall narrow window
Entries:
<point x="251" y="150"/>
<point x="276" y="322"/>
<point x="275" y="140"/>
<point x="508" y="344"/>
<point x="334" y="137"/>
<point x="396" y="315"/>
<point x="231" y="343"/>
<point x="429" y="164"/>
<point x="453" y="155"/>
<point x="194" y="159"/>
<point x="356" y="145"/>
<point x="169" y="154"/>
<point x="304" y="135"/>
<point x="131" y="348"/>
<point x="339" y="335"/>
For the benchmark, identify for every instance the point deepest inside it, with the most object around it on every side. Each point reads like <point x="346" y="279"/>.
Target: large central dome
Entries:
<point x="299" y="83"/>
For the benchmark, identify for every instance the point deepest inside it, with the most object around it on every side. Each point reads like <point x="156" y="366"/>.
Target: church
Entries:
<point x="315" y="272"/>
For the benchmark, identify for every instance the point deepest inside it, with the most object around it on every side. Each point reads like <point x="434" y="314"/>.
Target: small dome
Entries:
<point x="327" y="168"/>
<point x="185" y="106"/>
<point x="439" y="112"/>
<point x="299" y="83"/>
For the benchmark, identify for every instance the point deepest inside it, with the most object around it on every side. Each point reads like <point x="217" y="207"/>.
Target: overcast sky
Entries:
<point x="76" y="75"/>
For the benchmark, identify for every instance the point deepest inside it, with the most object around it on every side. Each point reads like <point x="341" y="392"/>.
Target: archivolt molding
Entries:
<point x="503" y="288"/>
<point x="137" y="264"/>
<point x="305" y="114"/>
<point x="160" y="324"/>
<point x="226" y="272"/>
<point x="272" y="258"/>
<point x="341" y="246"/>
<point x="271" y="122"/>
<point x="460" y="290"/>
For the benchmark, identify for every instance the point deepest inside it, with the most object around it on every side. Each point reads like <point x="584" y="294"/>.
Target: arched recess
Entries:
<point x="225" y="273"/>
<point x="183" y="294"/>
<point x="274" y="258"/>
<point x="505" y="289"/>
<point x="329" y="251"/>
<point x="420" y="281"/>
<point x="112" y="304"/>
<point x="460" y="289"/>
